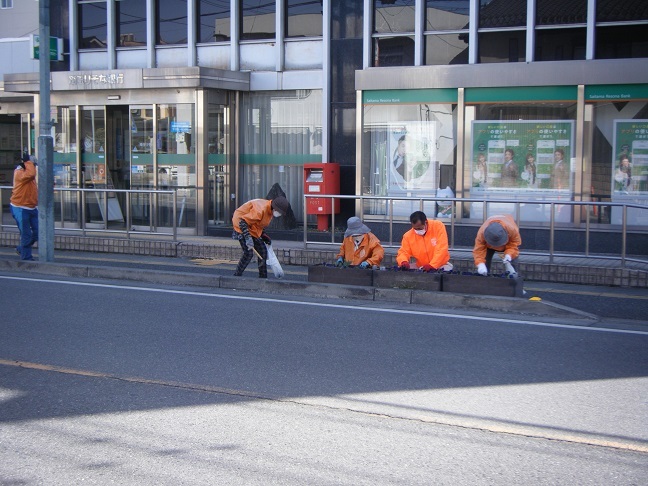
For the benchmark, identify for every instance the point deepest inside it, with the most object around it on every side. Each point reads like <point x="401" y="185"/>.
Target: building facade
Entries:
<point x="529" y="100"/>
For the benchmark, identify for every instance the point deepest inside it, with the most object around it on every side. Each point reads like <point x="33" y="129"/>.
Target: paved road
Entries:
<point x="105" y="382"/>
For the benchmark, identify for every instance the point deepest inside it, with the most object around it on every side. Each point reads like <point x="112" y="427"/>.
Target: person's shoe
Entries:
<point x="17" y="251"/>
<point x="263" y="276"/>
<point x="236" y="274"/>
<point x="29" y="259"/>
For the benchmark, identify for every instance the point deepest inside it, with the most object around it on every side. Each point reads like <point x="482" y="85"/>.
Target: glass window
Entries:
<point x="258" y="19"/>
<point x="131" y="23"/>
<point x="446" y="49"/>
<point x="393" y="51"/>
<point x="171" y="22"/>
<point x="93" y="29"/>
<point x="615" y="11"/>
<point x="280" y="131"/>
<point x="560" y="44"/>
<point x="447" y="15"/>
<point x="6" y="4"/>
<point x="64" y="163"/>
<point x="494" y="13"/>
<point x="625" y="41"/>
<point x="303" y="18"/>
<point x="394" y="16"/>
<point x="550" y="12"/>
<point x="507" y="46"/>
<point x="93" y="146"/>
<point x="403" y="147"/>
<point x="213" y="20"/>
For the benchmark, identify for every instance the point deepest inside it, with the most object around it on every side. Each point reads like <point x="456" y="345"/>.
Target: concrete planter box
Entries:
<point x="407" y="279"/>
<point x="344" y="276"/>
<point x="480" y="285"/>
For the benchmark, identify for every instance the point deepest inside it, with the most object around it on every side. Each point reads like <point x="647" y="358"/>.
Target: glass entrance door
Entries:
<point x="217" y="160"/>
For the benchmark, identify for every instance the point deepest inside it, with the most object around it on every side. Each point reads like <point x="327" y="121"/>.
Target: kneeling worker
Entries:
<point x="250" y="221"/>
<point x="427" y="242"/>
<point x="360" y="246"/>
<point x="497" y="234"/>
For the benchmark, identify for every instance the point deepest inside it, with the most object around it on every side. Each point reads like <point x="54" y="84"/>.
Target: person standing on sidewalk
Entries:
<point x="250" y="220"/>
<point x="24" y="205"/>
<point x="497" y="234"/>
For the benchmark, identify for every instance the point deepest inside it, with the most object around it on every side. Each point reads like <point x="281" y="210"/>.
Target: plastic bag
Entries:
<point x="273" y="262"/>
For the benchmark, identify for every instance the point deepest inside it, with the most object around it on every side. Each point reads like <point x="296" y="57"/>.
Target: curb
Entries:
<point x="432" y="299"/>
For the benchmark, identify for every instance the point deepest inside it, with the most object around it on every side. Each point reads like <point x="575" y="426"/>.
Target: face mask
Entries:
<point x="276" y="214"/>
<point x="420" y="232"/>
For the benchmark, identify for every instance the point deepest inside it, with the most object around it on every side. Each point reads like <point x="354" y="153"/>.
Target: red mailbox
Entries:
<point x="320" y="179"/>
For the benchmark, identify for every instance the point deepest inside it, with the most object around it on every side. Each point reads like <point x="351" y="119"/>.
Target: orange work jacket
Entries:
<point x="429" y="249"/>
<point x="257" y="213"/>
<point x="511" y="247"/>
<point x="25" y="190"/>
<point x="369" y="249"/>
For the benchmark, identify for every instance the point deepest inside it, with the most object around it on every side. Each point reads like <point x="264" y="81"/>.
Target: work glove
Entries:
<point x="266" y="239"/>
<point x="405" y="266"/>
<point x="507" y="258"/>
<point x="481" y="269"/>
<point x="249" y="243"/>
<point x="339" y="262"/>
<point x="364" y="264"/>
<point x="427" y="268"/>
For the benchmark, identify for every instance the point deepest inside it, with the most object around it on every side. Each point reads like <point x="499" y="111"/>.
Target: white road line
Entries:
<point x="333" y="306"/>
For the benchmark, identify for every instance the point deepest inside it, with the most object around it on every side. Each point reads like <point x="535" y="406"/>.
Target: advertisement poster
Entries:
<point x="522" y="156"/>
<point x="411" y="157"/>
<point x="630" y="158"/>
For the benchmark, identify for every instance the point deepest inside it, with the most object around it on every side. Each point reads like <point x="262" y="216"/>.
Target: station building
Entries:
<point x="517" y="100"/>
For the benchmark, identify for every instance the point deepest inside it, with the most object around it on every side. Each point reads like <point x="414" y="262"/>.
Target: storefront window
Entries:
<point x="394" y="16"/>
<point x="65" y="164"/>
<point x="218" y="163"/>
<point x="407" y="137"/>
<point x="213" y="21"/>
<point x="502" y="14"/>
<point x="521" y="150"/>
<point x="619" y="150"/>
<point x="257" y="19"/>
<point x="175" y="144"/>
<point x="507" y="46"/>
<point x="393" y="51"/>
<point x="93" y="29"/>
<point x="444" y="15"/>
<point x="280" y="131"/>
<point x="560" y="44"/>
<point x="93" y="147"/>
<point x="141" y="124"/>
<point x="131" y="23"/>
<point x="303" y="19"/>
<point x="171" y="22"/>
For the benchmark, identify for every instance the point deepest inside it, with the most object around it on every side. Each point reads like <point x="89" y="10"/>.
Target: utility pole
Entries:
<point x="45" y="144"/>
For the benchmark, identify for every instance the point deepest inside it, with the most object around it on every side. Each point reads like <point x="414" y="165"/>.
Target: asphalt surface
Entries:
<point x="129" y="383"/>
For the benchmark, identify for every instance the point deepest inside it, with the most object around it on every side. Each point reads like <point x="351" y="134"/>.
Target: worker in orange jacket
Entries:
<point x="427" y="242"/>
<point x="497" y="234"/>
<point x="360" y="246"/>
<point x="24" y="205"/>
<point x="250" y="221"/>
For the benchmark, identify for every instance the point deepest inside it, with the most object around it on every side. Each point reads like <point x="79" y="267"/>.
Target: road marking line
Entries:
<point x="360" y="308"/>
<point x="483" y="424"/>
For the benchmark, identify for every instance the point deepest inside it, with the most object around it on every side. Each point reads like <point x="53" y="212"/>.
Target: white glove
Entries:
<point x="507" y="258"/>
<point x="481" y="269"/>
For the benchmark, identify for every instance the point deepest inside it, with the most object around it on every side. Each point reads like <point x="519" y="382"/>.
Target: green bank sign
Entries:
<point x="616" y="92"/>
<point x="55" y="48"/>
<point x="405" y="96"/>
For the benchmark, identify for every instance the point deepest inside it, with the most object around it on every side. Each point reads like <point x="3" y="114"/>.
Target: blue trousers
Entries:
<point x="27" y="221"/>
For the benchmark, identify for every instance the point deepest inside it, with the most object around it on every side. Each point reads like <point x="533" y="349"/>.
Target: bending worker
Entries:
<point x="360" y="246"/>
<point x="427" y="242"/>
<point x="497" y="234"/>
<point x="250" y="220"/>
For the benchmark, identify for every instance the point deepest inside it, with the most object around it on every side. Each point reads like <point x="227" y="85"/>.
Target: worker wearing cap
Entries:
<point x="427" y="243"/>
<point x="250" y="220"/>
<point x="497" y="234"/>
<point x="360" y="246"/>
<point x="24" y="205"/>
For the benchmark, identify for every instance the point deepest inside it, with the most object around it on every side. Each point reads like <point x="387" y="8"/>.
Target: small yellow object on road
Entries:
<point x="535" y="299"/>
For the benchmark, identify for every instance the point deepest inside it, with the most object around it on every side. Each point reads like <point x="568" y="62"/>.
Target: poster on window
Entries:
<point x="529" y="157"/>
<point x="630" y="158"/>
<point x="411" y="159"/>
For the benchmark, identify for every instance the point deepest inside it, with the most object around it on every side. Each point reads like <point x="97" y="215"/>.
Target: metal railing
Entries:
<point x="67" y="207"/>
<point x="453" y="202"/>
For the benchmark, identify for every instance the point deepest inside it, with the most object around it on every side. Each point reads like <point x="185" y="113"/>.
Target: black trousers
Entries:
<point x="260" y="247"/>
<point x="489" y="258"/>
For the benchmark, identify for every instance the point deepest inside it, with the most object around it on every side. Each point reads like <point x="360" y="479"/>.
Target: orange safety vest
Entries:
<point x="511" y="247"/>
<point x="369" y="249"/>
<point x="429" y="249"/>
<point x="257" y="213"/>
